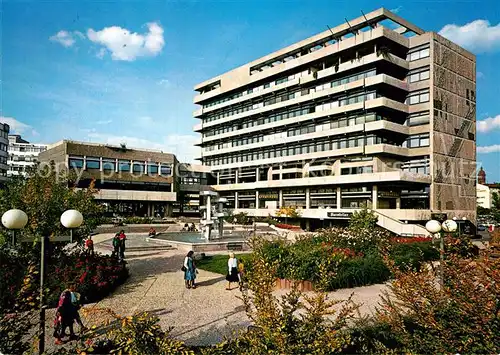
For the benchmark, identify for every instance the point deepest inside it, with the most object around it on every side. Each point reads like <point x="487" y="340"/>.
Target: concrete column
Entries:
<point x="236" y="200"/>
<point x="159" y="169"/>
<point x="339" y="198"/>
<point x="218" y="178"/>
<point x="257" y="174"/>
<point x="100" y="163"/>
<point x="256" y="199"/>
<point x="84" y="162"/>
<point x="308" y="225"/>
<point x="398" y="203"/>
<point x="280" y="198"/>
<point x="375" y="197"/>
<point x="281" y="171"/>
<point x="117" y="165"/>
<point x="236" y="176"/>
<point x="308" y="199"/>
<point x="146" y="168"/>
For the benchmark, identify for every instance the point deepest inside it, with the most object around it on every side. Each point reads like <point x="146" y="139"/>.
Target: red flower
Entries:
<point x="82" y="278"/>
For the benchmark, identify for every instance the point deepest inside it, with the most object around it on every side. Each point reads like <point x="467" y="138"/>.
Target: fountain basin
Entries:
<point x="197" y="243"/>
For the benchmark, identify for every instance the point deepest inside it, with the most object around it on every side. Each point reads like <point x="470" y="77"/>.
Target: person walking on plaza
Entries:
<point x="189" y="269"/>
<point x="123" y="238"/>
<point x="75" y="301"/>
<point x="116" y="245"/>
<point x="65" y="316"/>
<point x="89" y="245"/>
<point x="233" y="272"/>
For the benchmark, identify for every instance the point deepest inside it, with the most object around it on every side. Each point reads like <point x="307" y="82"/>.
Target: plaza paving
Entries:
<point x="201" y="316"/>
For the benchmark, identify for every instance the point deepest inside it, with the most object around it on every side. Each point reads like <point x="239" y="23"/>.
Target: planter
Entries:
<point x="284" y="284"/>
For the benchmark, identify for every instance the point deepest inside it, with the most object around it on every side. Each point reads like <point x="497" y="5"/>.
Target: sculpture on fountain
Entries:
<point x="212" y="220"/>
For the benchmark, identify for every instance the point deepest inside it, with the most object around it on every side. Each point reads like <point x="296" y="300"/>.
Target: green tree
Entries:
<point x="44" y="195"/>
<point x="363" y="219"/>
<point x="288" y="212"/>
<point x="495" y="206"/>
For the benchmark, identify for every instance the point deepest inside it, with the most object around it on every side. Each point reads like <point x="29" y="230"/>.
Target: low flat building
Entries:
<point x="136" y="182"/>
<point x="22" y="155"/>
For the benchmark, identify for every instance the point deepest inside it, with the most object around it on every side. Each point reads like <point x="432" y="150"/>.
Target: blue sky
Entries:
<point x="123" y="71"/>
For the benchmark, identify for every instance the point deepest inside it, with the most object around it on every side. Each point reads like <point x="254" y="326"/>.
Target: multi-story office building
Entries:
<point x="375" y="112"/>
<point x="4" y="145"/>
<point x="22" y="154"/>
<point x="130" y="181"/>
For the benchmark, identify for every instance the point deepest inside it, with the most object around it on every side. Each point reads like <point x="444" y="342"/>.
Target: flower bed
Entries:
<point x="93" y="277"/>
<point x="340" y="258"/>
<point x="287" y="226"/>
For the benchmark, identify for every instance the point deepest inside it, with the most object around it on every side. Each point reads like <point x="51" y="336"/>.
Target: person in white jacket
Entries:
<point x="233" y="273"/>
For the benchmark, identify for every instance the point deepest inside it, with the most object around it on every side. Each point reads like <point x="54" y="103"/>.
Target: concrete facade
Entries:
<point x="367" y="114"/>
<point x="128" y="181"/>
<point x="4" y="146"/>
<point x="22" y="155"/>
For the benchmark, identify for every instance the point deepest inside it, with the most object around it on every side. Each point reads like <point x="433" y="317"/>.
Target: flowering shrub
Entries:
<point x="94" y="277"/>
<point x="287" y="226"/>
<point x="349" y="258"/>
<point x="411" y="239"/>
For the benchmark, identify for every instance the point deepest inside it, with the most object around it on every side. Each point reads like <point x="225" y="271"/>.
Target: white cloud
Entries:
<point x="489" y="149"/>
<point x="128" y="46"/>
<point x="478" y="35"/>
<point x="480" y="74"/>
<point x="18" y="127"/>
<point x="488" y="124"/>
<point x="164" y="82"/>
<point x="182" y="145"/>
<point x="65" y="38"/>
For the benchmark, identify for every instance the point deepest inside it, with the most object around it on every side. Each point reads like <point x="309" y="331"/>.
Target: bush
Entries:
<point x="287" y="226"/>
<point x="460" y="317"/>
<point x="350" y="259"/>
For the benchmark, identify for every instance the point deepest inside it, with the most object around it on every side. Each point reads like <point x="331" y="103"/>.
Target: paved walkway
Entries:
<point x="202" y="316"/>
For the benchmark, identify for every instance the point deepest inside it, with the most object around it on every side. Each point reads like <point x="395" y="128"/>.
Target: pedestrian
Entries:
<point x="75" y="301"/>
<point x="241" y="273"/>
<point x="64" y="318"/>
<point x="89" y="245"/>
<point x="189" y="269"/>
<point x="123" y="238"/>
<point x="233" y="273"/>
<point x="116" y="245"/>
<point x="152" y="232"/>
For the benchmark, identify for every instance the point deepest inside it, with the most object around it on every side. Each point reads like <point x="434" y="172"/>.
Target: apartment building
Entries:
<point x="130" y="182"/>
<point x="22" y="155"/>
<point x="374" y="112"/>
<point x="4" y="145"/>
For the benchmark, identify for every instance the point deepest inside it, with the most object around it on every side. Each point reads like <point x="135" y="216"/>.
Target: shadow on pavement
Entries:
<point x="210" y="282"/>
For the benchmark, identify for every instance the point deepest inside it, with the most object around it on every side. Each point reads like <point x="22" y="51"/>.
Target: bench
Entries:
<point x="235" y="246"/>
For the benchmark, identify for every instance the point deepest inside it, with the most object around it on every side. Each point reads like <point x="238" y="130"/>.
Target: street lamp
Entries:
<point x="434" y="227"/>
<point x="16" y="219"/>
<point x="71" y="219"/>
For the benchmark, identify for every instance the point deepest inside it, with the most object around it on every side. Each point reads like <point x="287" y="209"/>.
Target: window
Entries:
<point x="138" y="167"/>
<point x="418" y="119"/>
<point x="124" y="165"/>
<point x="76" y="162"/>
<point x="93" y="163"/>
<point x="418" y="76"/>
<point x="152" y="169"/>
<point x="418" y="53"/>
<point x="421" y="140"/>
<point x="418" y="97"/>
<point x="108" y="164"/>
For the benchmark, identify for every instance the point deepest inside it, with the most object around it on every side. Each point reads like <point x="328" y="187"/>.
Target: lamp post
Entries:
<point x="434" y="227"/>
<point x="16" y="219"/>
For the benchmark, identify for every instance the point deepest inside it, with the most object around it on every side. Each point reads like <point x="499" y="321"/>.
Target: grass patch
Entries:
<point x="218" y="263"/>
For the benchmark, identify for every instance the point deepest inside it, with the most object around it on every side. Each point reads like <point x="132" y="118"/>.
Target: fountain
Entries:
<point x="212" y="220"/>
